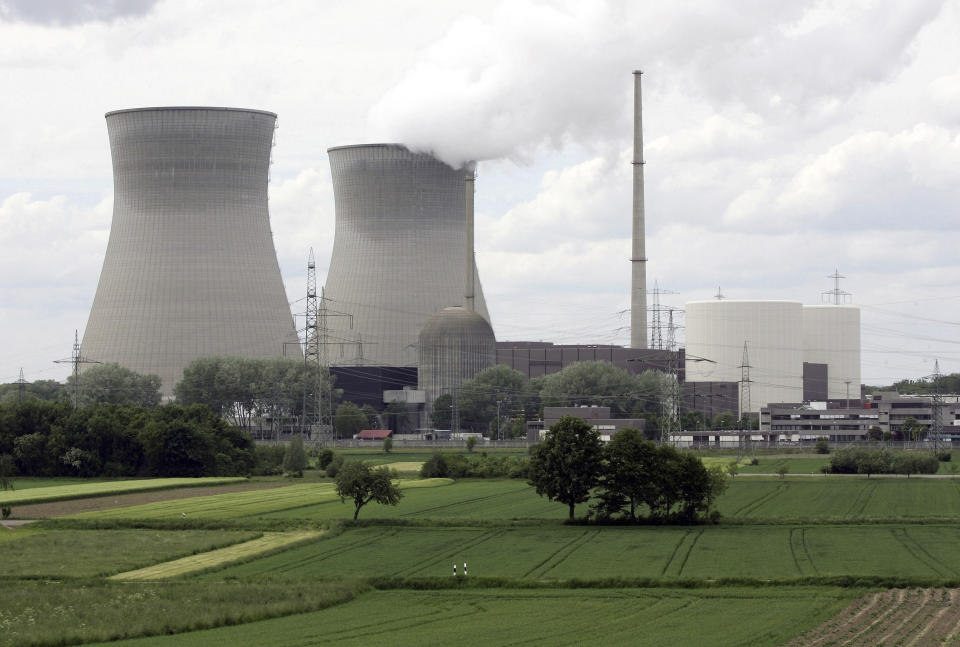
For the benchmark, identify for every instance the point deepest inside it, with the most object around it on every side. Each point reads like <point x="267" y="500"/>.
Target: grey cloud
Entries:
<point x="69" y="12"/>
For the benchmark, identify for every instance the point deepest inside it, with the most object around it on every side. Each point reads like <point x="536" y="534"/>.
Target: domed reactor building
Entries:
<point x="398" y="258"/>
<point x="190" y="269"/>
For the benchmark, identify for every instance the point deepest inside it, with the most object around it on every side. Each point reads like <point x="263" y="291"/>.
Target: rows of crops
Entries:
<point x="626" y="617"/>
<point x="78" y="490"/>
<point x="559" y="552"/>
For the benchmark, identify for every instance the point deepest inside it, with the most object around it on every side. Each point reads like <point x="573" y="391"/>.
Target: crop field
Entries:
<point x="558" y="552"/>
<point x="253" y="503"/>
<point x="840" y="497"/>
<point x="87" y="553"/>
<point x="626" y="617"/>
<point x="79" y="490"/>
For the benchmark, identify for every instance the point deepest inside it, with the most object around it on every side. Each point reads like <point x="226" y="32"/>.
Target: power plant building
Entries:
<point x="794" y="353"/>
<point x="455" y="345"/>
<point x="190" y="268"/>
<point x="398" y="252"/>
<point x="716" y="332"/>
<point x="831" y="336"/>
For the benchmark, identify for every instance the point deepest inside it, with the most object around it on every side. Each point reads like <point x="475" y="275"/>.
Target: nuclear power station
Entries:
<point x="191" y="271"/>
<point x="190" y="268"/>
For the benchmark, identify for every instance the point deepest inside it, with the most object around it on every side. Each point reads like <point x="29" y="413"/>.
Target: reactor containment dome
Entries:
<point x="190" y="269"/>
<point x="398" y="251"/>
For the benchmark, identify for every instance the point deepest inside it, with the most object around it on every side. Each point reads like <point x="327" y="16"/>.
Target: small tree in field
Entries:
<point x="471" y="443"/>
<point x="358" y="481"/>
<point x="387" y="444"/>
<point x="295" y="457"/>
<point x="566" y="466"/>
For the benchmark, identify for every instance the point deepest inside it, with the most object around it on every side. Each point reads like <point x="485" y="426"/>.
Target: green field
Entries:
<point x="253" y="503"/>
<point x="550" y="617"/>
<point x="80" y="490"/>
<point x="524" y="563"/>
<point x="840" y="497"/>
<point x="559" y="552"/>
<point x="87" y="553"/>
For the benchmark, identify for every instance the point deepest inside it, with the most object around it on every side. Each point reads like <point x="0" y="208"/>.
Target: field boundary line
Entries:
<point x="220" y="557"/>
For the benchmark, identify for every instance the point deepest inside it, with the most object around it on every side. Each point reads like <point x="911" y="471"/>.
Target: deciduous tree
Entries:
<point x="362" y="484"/>
<point x="567" y="464"/>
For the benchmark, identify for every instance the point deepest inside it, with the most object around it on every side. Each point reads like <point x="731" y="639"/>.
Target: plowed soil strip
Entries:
<point x="902" y="617"/>
<point x="220" y="557"/>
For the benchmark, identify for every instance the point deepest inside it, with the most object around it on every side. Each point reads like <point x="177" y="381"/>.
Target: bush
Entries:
<point x="268" y="460"/>
<point x="822" y="447"/>
<point x="436" y="467"/>
<point x="295" y="458"/>
<point x="944" y="457"/>
<point x="324" y="457"/>
<point x="333" y="467"/>
<point x="754" y="461"/>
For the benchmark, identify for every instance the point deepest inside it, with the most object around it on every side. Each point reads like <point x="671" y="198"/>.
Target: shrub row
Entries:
<point x="855" y="460"/>
<point x="482" y="466"/>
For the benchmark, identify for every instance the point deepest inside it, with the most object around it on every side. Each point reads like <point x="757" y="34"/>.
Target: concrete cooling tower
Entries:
<point x="398" y="251"/>
<point x="190" y="268"/>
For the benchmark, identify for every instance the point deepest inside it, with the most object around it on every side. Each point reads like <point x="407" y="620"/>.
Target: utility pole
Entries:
<point x="836" y="296"/>
<point x="935" y="426"/>
<point x="76" y="359"/>
<point x="744" y="397"/>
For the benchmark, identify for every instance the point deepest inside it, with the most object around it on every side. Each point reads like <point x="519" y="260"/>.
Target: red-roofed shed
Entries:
<point x="374" y="434"/>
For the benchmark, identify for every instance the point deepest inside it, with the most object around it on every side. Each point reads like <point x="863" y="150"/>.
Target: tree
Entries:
<point x="602" y="383"/>
<point x="295" y="457"/>
<point x="477" y="399"/>
<point x="387" y="444"/>
<point x="631" y="464"/>
<point x="114" y="384"/>
<point x="471" y="443"/>
<point x="7" y="469"/>
<point x="783" y="470"/>
<point x="568" y="463"/>
<point x="358" y="482"/>
<point x="442" y="412"/>
<point x="349" y="420"/>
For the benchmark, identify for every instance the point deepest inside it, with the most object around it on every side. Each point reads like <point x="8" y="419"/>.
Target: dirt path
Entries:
<point x="908" y="617"/>
<point x="74" y="506"/>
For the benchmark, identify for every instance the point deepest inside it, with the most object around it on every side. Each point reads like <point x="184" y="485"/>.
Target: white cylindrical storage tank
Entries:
<point x="455" y="345"/>
<point x="831" y="336"/>
<point x="773" y="331"/>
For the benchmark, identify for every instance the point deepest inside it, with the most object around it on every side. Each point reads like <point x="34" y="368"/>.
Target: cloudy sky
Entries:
<point x="784" y="140"/>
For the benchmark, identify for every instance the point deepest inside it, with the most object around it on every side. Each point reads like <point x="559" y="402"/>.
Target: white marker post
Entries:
<point x="454" y="570"/>
<point x="464" y="569"/>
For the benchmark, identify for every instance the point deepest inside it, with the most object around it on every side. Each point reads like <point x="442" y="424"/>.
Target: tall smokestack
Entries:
<point x="638" y="260"/>
<point x="468" y="183"/>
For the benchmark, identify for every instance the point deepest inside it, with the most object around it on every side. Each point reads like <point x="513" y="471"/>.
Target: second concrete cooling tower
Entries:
<point x="398" y="252"/>
<point x="190" y="269"/>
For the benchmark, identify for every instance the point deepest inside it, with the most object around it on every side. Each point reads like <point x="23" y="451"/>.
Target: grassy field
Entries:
<point x="559" y="552"/>
<point x="68" y="613"/>
<point x="773" y="498"/>
<point x="840" y="497"/>
<point x="627" y="617"/>
<point x="87" y="553"/>
<point x="79" y="490"/>
<point x="294" y="499"/>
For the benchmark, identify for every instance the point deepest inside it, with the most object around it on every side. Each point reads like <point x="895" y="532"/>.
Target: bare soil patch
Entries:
<point x="74" y="506"/>
<point x="908" y="617"/>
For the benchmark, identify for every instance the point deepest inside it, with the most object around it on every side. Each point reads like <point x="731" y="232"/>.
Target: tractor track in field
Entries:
<point x="907" y="617"/>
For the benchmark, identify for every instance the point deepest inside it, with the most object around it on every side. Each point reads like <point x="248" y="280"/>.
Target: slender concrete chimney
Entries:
<point x="638" y="260"/>
<point x="468" y="183"/>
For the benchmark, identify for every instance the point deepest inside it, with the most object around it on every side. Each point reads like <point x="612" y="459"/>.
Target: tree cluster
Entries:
<point x="54" y="439"/>
<point x="500" y="389"/>
<point x="628" y="476"/>
<point x="854" y="460"/>
<point x="482" y="466"/>
<point x="250" y="393"/>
